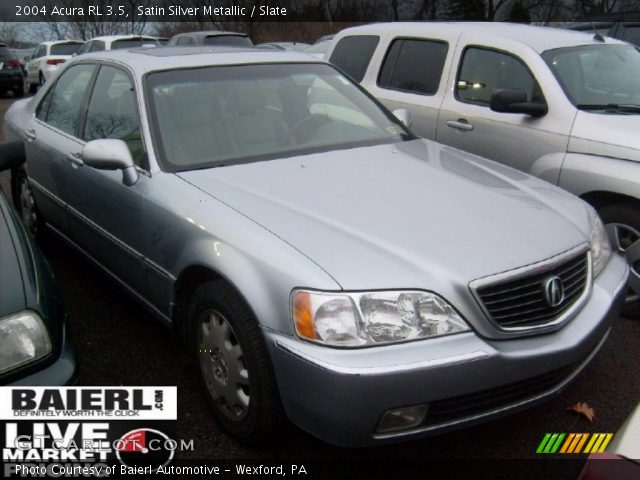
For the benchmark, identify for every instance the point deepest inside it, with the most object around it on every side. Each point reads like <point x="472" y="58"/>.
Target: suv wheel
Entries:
<point x="41" y="80"/>
<point x="624" y="219"/>
<point x="233" y="362"/>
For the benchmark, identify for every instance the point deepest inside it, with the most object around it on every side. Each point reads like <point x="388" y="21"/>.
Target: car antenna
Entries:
<point x="597" y="37"/>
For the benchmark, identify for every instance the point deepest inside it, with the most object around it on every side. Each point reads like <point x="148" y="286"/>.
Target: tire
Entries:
<point x="233" y="362"/>
<point x="26" y="205"/>
<point x="18" y="93"/>
<point x="627" y="216"/>
<point x="33" y="87"/>
<point x="41" y="80"/>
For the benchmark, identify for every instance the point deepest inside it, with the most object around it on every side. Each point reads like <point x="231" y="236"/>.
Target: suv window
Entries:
<point x="186" y="41"/>
<point x="112" y="111"/>
<point x="40" y="51"/>
<point x="229" y="40"/>
<point x="63" y="108"/>
<point x="484" y="71"/>
<point x="65" y="48"/>
<point x="353" y="54"/>
<point x="631" y="34"/>
<point x="414" y="66"/>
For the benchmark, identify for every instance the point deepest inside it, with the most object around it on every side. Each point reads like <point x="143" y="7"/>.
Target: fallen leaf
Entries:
<point x="582" y="408"/>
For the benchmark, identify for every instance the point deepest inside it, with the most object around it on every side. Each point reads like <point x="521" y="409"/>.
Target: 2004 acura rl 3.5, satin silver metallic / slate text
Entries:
<point x="321" y="262"/>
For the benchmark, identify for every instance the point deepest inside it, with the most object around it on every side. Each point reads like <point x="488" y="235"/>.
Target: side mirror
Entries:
<point x="111" y="154"/>
<point x="404" y="116"/>
<point x="12" y="155"/>
<point x="515" y="101"/>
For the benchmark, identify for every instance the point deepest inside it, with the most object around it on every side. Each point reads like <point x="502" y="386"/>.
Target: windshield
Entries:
<point x="65" y="48"/>
<point x="216" y="116"/>
<point x="132" y="43"/>
<point x="232" y="40"/>
<point x="597" y="76"/>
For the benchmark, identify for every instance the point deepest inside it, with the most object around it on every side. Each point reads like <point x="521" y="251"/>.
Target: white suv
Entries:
<point x="117" y="42"/>
<point x="46" y="58"/>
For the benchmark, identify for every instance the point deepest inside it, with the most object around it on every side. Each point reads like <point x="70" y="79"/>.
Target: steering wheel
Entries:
<point x="303" y="130"/>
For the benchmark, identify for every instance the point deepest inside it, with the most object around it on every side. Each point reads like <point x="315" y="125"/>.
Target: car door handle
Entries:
<point x="460" y="124"/>
<point x="30" y="135"/>
<point x="75" y="159"/>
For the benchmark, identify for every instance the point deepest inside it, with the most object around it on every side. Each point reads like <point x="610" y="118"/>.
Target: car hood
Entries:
<point x="606" y="134"/>
<point x="403" y="215"/>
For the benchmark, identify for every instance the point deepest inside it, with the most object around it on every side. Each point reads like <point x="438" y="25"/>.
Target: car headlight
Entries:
<point x="372" y="318"/>
<point x="600" y="246"/>
<point x="24" y="339"/>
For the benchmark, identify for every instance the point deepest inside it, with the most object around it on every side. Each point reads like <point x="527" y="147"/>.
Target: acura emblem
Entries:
<point x="553" y="291"/>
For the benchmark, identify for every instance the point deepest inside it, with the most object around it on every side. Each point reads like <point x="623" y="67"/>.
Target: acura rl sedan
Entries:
<point x="321" y="262"/>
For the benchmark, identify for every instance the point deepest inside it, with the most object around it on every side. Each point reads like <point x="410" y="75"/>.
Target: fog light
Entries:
<point x="402" y="419"/>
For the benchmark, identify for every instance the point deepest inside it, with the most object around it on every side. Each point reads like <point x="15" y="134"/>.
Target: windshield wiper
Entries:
<point x="611" y="107"/>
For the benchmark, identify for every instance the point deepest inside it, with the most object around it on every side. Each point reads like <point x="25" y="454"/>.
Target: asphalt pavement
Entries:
<point x="119" y="343"/>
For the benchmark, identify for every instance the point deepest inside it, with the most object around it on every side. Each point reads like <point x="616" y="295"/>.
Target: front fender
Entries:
<point x="582" y="174"/>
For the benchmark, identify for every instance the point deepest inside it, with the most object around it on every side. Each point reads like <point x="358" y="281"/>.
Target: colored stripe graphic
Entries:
<point x="573" y="443"/>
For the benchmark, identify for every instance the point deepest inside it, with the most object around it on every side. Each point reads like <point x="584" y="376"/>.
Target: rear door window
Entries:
<point x="413" y="66"/>
<point x="352" y="54"/>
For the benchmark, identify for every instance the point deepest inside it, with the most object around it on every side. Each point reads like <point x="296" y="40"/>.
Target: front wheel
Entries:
<point x="233" y="362"/>
<point x="623" y="220"/>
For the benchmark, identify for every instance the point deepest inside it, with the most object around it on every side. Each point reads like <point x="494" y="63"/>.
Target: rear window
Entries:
<point x="414" y="66"/>
<point x="132" y="43"/>
<point x="65" y="48"/>
<point x="232" y="40"/>
<point x="353" y="54"/>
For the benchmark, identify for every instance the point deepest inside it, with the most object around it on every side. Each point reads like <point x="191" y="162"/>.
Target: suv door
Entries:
<point x="411" y="77"/>
<point x="105" y="214"/>
<point x="51" y="136"/>
<point x="33" y="66"/>
<point x="533" y="144"/>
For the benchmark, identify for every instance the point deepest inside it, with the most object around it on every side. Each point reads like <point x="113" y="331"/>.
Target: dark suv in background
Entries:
<point x="11" y="73"/>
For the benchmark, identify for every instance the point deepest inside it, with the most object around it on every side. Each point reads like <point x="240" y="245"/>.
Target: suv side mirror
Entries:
<point x="515" y="101"/>
<point x="404" y="116"/>
<point x="111" y="154"/>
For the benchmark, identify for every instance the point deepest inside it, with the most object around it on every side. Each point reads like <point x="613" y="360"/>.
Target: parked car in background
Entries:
<point x="11" y="73"/>
<point x="318" y="49"/>
<point x="24" y="55"/>
<point x="284" y="46"/>
<point x="309" y="249"/>
<point x="325" y="38"/>
<point x="35" y="348"/>
<point x="211" y="37"/>
<point x="115" y="42"/>
<point x="163" y="40"/>
<point x="622" y="25"/>
<point x="46" y="59"/>
<point x="559" y="104"/>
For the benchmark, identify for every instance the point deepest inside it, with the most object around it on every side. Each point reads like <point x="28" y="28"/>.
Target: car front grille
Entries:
<point x="520" y="300"/>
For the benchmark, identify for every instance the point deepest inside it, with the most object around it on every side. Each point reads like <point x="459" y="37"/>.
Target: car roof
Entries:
<point x="143" y="60"/>
<point x="209" y="33"/>
<point x="536" y="37"/>
<point x="111" y="38"/>
<point x="55" y="42"/>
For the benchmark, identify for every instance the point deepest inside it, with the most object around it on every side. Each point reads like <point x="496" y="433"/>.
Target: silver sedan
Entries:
<point x="320" y="261"/>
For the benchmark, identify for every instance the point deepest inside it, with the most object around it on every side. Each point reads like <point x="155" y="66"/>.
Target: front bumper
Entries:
<point x="340" y="395"/>
<point x="61" y="372"/>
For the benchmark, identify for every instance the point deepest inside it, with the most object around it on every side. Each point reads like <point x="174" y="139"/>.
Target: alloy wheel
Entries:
<point x="222" y="364"/>
<point x="626" y="240"/>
